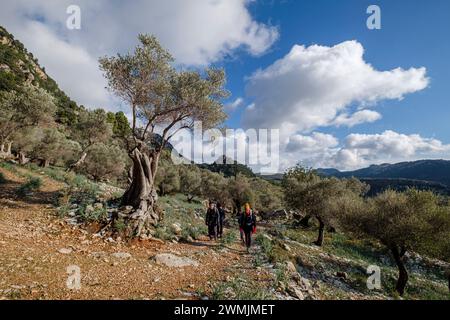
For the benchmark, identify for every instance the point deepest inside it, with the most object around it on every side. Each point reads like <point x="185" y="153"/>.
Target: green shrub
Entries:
<point x="2" y="178"/>
<point x="89" y="214"/>
<point x="32" y="184"/>
<point x="119" y="225"/>
<point x="192" y="231"/>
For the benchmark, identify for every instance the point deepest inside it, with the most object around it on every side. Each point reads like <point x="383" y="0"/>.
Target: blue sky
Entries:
<point x="413" y="34"/>
<point x="341" y="95"/>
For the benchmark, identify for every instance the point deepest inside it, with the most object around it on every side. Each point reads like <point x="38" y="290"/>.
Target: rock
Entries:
<point x="171" y="260"/>
<point x="265" y="235"/>
<point x="65" y="251"/>
<point x="89" y="209"/>
<point x="305" y="284"/>
<point x="126" y="210"/>
<point x="290" y="267"/>
<point x="342" y="275"/>
<point x="121" y="255"/>
<point x="296" y="292"/>
<point x="98" y="206"/>
<point x="176" y="228"/>
<point x="189" y="239"/>
<point x="286" y="247"/>
<point x="72" y="214"/>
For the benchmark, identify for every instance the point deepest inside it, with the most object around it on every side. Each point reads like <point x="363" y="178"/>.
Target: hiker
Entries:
<point x="241" y="231"/>
<point x="212" y="221"/>
<point x="248" y="225"/>
<point x="221" y="220"/>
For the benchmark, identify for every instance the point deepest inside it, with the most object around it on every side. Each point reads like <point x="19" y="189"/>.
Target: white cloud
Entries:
<point x="197" y="32"/>
<point x="316" y="142"/>
<point x="75" y="70"/>
<point x="362" y="116"/>
<point x="311" y="86"/>
<point x="360" y="150"/>
<point x="231" y="107"/>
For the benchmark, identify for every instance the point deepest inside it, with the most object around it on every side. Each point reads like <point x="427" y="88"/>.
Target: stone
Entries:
<point x="286" y="247"/>
<point x="265" y="235"/>
<point x="98" y="206"/>
<point x="65" y="251"/>
<point x="171" y="260"/>
<point x="290" y="267"/>
<point x="342" y="275"/>
<point x="176" y="228"/>
<point x="121" y="255"/>
<point x="296" y="293"/>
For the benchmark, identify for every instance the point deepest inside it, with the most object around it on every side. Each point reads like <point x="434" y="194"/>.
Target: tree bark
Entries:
<point x="141" y="195"/>
<point x="402" y="280"/>
<point x="6" y="154"/>
<point x="78" y="163"/>
<point x="304" y="222"/>
<point x="319" y="241"/>
<point x="22" y="158"/>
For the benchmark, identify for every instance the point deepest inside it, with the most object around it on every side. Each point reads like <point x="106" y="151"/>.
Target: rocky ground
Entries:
<point x="37" y="247"/>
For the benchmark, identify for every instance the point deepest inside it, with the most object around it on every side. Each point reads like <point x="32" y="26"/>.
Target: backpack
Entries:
<point x="248" y="219"/>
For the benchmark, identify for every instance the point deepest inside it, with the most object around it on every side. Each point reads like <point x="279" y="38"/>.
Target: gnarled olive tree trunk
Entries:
<point x="399" y="257"/>
<point x="5" y="154"/>
<point x="141" y="194"/>
<point x="319" y="240"/>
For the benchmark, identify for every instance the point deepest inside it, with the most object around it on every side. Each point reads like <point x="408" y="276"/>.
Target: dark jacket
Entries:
<point x="212" y="217"/>
<point x="247" y="222"/>
<point x="221" y="213"/>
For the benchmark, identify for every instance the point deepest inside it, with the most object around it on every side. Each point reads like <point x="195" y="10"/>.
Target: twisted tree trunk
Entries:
<point x="6" y="154"/>
<point x="319" y="240"/>
<point x="141" y="194"/>
<point x="78" y="163"/>
<point x="402" y="272"/>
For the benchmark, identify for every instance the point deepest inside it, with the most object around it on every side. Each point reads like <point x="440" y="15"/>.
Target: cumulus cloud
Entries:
<point x="197" y="32"/>
<point x="314" y="86"/>
<point x="389" y="146"/>
<point x="360" y="150"/>
<point x="230" y="107"/>
<point x="351" y="120"/>
<point x="316" y="142"/>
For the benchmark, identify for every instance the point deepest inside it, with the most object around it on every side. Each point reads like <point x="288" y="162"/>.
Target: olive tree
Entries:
<point x="190" y="181"/>
<point x="105" y="162"/>
<point x="402" y="222"/>
<point x="26" y="108"/>
<point x="162" y="101"/>
<point x="314" y="195"/>
<point x="240" y="191"/>
<point x="214" y="187"/>
<point x="91" y="128"/>
<point x="46" y="145"/>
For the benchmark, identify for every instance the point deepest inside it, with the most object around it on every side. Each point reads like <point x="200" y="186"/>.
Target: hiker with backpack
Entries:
<point x="221" y="220"/>
<point x="248" y="225"/>
<point x="212" y="221"/>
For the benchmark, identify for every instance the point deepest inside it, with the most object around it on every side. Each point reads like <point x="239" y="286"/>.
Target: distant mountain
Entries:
<point x="425" y="170"/>
<point x="422" y="174"/>
<point x="228" y="167"/>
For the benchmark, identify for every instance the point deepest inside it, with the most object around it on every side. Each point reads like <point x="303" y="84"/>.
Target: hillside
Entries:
<point x="228" y="168"/>
<point x="422" y="174"/>
<point x="18" y="66"/>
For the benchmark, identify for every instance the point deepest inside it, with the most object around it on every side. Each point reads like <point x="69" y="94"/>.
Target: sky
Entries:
<point x="342" y="95"/>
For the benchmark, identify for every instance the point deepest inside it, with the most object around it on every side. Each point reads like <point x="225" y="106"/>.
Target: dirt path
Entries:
<point x="36" y="247"/>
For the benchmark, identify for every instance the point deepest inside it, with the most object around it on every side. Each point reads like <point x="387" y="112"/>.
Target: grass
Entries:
<point x="32" y="184"/>
<point x="178" y="210"/>
<point x="240" y="289"/>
